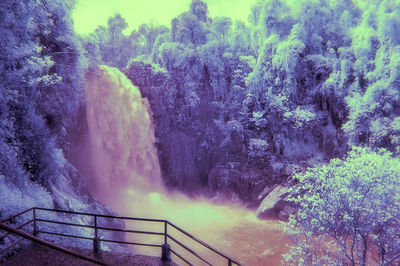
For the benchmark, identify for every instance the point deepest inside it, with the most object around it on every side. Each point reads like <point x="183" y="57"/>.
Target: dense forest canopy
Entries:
<point x="41" y="89"/>
<point x="233" y="102"/>
<point x="293" y="61"/>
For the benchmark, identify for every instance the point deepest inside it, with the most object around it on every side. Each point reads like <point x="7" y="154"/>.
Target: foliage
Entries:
<point x="302" y="62"/>
<point x="41" y="88"/>
<point x="307" y="77"/>
<point x="200" y="9"/>
<point x="375" y="104"/>
<point x="109" y="45"/>
<point x="349" y="212"/>
<point x="258" y="147"/>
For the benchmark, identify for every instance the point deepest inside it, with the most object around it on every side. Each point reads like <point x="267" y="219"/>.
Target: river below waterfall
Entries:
<point x="126" y="176"/>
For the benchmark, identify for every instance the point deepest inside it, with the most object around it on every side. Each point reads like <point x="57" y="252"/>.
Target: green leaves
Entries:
<point x="355" y="196"/>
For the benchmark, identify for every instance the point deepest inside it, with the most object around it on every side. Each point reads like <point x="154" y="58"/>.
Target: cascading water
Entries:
<point x="126" y="176"/>
<point x="121" y="136"/>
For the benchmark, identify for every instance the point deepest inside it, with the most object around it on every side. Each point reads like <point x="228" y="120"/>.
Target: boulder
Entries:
<point x="285" y="171"/>
<point x="286" y="212"/>
<point x="273" y="203"/>
<point x="329" y="146"/>
<point x="232" y="178"/>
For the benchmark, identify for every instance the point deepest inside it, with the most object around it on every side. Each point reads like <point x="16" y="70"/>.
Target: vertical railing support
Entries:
<point x="229" y="262"/>
<point x="96" y="239"/>
<point x="165" y="232"/>
<point x="165" y="252"/>
<point x="34" y="222"/>
<point x="165" y="248"/>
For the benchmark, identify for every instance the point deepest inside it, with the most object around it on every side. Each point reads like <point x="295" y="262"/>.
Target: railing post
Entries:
<point x="165" y="232"/>
<point x="96" y="239"/>
<point x="229" y="262"/>
<point x="34" y="222"/>
<point x="165" y="248"/>
<point x="165" y="252"/>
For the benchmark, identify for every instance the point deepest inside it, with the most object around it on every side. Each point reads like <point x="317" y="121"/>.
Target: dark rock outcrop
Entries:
<point x="274" y="203"/>
<point x="184" y="160"/>
<point x="286" y="212"/>
<point x="201" y="147"/>
<point x="245" y="182"/>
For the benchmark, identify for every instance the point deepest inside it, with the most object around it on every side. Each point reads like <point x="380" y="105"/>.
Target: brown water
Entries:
<point x="126" y="176"/>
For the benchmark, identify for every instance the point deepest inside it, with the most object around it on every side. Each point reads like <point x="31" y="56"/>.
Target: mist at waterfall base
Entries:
<point x="125" y="175"/>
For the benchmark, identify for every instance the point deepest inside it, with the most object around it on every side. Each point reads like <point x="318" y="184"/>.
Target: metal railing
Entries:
<point x="11" y="230"/>
<point x="25" y="236"/>
<point x="97" y="240"/>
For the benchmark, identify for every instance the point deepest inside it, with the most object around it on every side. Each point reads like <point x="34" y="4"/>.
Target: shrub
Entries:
<point x="349" y="212"/>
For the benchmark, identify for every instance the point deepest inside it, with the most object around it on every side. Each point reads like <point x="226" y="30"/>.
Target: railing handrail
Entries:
<point x="43" y="242"/>
<point x="16" y="215"/>
<point x="201" y="242"/>
<point x="102" y="215"/>
<point x="96" y="228"/>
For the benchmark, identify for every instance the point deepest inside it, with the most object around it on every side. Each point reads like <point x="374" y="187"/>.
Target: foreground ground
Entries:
<point x="34" y="255"/>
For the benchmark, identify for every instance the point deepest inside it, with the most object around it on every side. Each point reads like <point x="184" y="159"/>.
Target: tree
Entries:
<point x="241" y="38"/>
<point x="200" y="9"/>
<point x="348" y="212"/>
<point x="117" y="49"/>
<point x="190" y="30"/>
<point x="41" y="87"/>
<point x="221" y="26"/>
<point x="150" y="33"/>
<point x="113" y="53"/>
<point x="374" y="104"/>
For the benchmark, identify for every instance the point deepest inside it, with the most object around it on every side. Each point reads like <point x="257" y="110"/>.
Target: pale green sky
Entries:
<point x="88" y="14"/>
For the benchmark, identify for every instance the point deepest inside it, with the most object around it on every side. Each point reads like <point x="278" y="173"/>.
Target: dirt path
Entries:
<point x="37" y="255"/>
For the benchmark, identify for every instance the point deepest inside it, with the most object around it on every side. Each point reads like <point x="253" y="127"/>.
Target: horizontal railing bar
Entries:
<point x="18" y="214"/>
<point x="102" y="228"/>
<point x="24" y="224"/>
<point x="59" y="234"/>
<point x="58" y="222"/>
<point x="64" y="211"/>
<point x="104" y="216"/>
<point x="14" y="244"/>
<point x="19" y="227"/>
<point x="181" y="257"/>
<point x="188" y="249"/>
<point x="131" y="243"/>
<point x="104" y="240"/>
<point x="130" y="231"/>
<point x="203" y="243"/>
<point x="48" y="244"/>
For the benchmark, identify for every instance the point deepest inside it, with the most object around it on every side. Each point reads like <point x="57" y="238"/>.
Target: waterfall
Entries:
<point x="121" y="136"/>
<point x="125" y="175"/>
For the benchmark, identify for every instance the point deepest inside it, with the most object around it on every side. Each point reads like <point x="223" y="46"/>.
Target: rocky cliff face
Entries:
<point x="182" y="157"/>
<point x="196" y="155"/>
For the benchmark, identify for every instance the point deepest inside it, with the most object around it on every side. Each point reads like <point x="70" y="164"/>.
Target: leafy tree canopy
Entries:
<point x="349" y="212"/>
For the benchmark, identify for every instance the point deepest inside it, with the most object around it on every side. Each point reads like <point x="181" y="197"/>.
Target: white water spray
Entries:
<point x="126" y="176"/>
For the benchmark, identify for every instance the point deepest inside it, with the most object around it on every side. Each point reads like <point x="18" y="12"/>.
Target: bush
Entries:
<point x="349" y="212"/>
